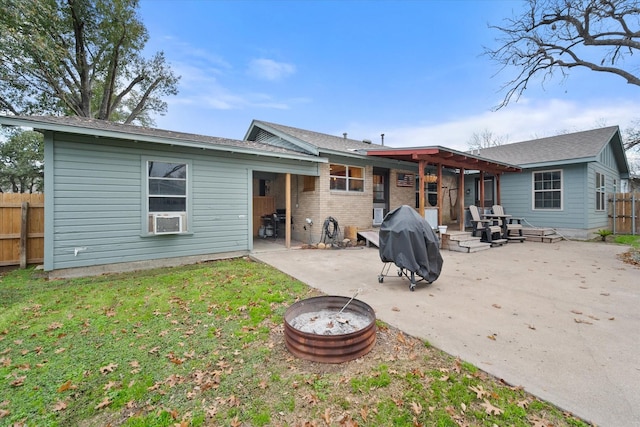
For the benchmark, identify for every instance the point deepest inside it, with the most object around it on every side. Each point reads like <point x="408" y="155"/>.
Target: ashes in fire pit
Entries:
<point x="328" y="322"/>
<point x="330" y="329"/>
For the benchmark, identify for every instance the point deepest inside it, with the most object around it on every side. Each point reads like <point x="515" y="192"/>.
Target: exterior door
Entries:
<point x="380" y="194"/>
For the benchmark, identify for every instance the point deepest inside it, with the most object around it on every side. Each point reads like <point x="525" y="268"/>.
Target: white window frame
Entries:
<point x="347" y="178"/>
<point x="600" y="192"/>
<point x="149" y="214"/>
<point x="534" y="191"/>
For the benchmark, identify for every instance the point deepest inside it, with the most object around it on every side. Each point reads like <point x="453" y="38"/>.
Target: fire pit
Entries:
<point x="330" y="329"/>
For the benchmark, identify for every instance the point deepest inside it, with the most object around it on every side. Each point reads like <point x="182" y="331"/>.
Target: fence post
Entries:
<point x="614" y="211"/>
<point x="23" y="234"/>
<point x="633" y="214"/>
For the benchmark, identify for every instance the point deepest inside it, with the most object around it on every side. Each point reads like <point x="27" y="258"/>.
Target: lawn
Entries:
<point x="204" y="345"/>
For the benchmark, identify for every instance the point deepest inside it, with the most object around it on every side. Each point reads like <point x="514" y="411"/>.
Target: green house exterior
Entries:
<point x="121" y="198"/>
<point x="582" y="169"/>
<point x="97" y="194"/>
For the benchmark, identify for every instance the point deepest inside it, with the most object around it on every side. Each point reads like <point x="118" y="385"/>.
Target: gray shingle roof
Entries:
<point x="323" y="141"/>
<point x="570" y="146"/>
<point x="130" y="132"/>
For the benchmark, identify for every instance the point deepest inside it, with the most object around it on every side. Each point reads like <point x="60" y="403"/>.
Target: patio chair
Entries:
<point x="489" y="230"/>
<point x="512" y="225"/>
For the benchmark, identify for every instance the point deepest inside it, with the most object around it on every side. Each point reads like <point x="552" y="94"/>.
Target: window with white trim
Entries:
<point x="167" y="197"/>
<point x="346" y="178"/>
<point x="547" y="190"/>
<point x="600" y="191"/>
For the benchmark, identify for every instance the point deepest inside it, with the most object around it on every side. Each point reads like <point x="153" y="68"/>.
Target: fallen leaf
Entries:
<point x="4" y="413"/>
<point x="496" y="306"/>
<point x="326" y="416"/>
<point x="66" y="386"/>
<point x="492" y="337"/>
<point x="416" y="408"/>
<point x="538" y="422"/>
<point x="109" y="368"/>
<point x="490" y="409"/>
<point x="523" y="403"/>
<point x="364" y="413"/>
<point x="18" y="382"/>
<point x="54" y="325"/>
<point x="106" y="402"/>
<point x="576" y="312"/>
<point x="110" y="385"/>
<point x="479" y="391"/>
<point x="59" y="406"/>
<point x="586" y="322"/>
<point x="394" y="308"/>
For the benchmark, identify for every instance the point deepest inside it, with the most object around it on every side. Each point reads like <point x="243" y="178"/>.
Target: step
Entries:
<point x="475" y="246"/>
<point x="537" y="231"/>
<point x="498" y="242"/>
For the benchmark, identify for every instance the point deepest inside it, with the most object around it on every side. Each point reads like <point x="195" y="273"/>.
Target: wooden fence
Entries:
<point x="624" y="213"/>
<point x="21" y="229"/>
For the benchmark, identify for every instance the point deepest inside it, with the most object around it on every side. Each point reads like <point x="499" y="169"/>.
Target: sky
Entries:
<point x="413" y="70"/>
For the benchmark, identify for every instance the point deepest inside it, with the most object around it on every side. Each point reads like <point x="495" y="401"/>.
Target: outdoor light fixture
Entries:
<point x="309" y="221"/>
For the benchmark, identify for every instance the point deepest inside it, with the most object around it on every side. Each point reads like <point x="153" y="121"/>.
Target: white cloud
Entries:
<point x="268" y="69"/>
<point x="518" y="122"/>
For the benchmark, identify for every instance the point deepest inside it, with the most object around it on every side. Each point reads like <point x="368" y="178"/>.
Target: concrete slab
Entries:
<point x="560" y="320"/>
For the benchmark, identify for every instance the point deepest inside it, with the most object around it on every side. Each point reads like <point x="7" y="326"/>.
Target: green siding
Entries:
<point x="97" y="197"/>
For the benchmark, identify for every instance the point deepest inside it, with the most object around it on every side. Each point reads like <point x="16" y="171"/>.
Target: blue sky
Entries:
<point x="413" y="70"/>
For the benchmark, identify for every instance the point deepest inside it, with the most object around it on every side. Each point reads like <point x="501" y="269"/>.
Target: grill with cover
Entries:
<point x="408" y="241"/>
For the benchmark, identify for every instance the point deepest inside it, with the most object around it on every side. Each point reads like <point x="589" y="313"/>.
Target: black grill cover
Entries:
<point x="407" y="240"/>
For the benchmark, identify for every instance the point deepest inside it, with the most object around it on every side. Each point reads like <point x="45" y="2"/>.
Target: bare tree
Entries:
<point x="486" y="139"/>
<point x="557" y="35"/>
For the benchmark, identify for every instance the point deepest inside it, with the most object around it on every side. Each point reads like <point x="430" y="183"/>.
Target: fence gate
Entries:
<point x="21" y="229"/>
<point x="624" y="213"/>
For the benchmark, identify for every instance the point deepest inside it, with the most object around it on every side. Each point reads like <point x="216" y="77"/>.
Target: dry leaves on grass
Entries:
<point x="490" y="409"/>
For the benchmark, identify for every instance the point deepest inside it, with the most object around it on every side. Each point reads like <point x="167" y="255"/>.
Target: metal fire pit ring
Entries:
<point x="330" y="348"/>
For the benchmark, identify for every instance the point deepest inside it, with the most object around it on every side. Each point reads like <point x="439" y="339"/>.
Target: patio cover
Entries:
<point x="441" y="156"/>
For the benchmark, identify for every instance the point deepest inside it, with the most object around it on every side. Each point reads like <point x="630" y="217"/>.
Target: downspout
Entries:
<point x="461" y="217"/>
<point x="439" y="189"/>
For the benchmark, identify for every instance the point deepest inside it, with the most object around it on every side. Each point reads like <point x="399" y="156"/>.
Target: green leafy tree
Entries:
<point x="21" y="163"/>
<point x="80" y="57"/>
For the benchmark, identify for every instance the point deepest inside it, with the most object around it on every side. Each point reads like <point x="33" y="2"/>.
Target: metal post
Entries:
<point x="614" y="209"/>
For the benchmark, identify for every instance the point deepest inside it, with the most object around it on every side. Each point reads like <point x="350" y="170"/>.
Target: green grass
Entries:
<point x="203" y="345"/>
<point x="628" y="239"/>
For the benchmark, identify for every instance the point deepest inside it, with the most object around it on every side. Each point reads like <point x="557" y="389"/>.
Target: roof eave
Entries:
<point x="555" y="163"/>
<point x="101" y="133"/>
<point x="310" y="148"/>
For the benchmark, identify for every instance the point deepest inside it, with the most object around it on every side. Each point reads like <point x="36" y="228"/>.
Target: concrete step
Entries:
<point x="462" y="241"/>
<point x="475" y="246"/>
<point x="537" y="231"/>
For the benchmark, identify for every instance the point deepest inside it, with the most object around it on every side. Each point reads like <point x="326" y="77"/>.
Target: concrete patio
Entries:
<point x="560" y="320"/>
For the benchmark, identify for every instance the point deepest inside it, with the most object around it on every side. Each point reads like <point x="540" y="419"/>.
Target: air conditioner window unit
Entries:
<point x="167" y="223"/>
<point x="378" y="216"/>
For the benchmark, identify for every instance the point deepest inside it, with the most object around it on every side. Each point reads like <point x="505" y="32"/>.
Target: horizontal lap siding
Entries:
<point x="98" y="202"/>
<point x="517" y="198"/>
